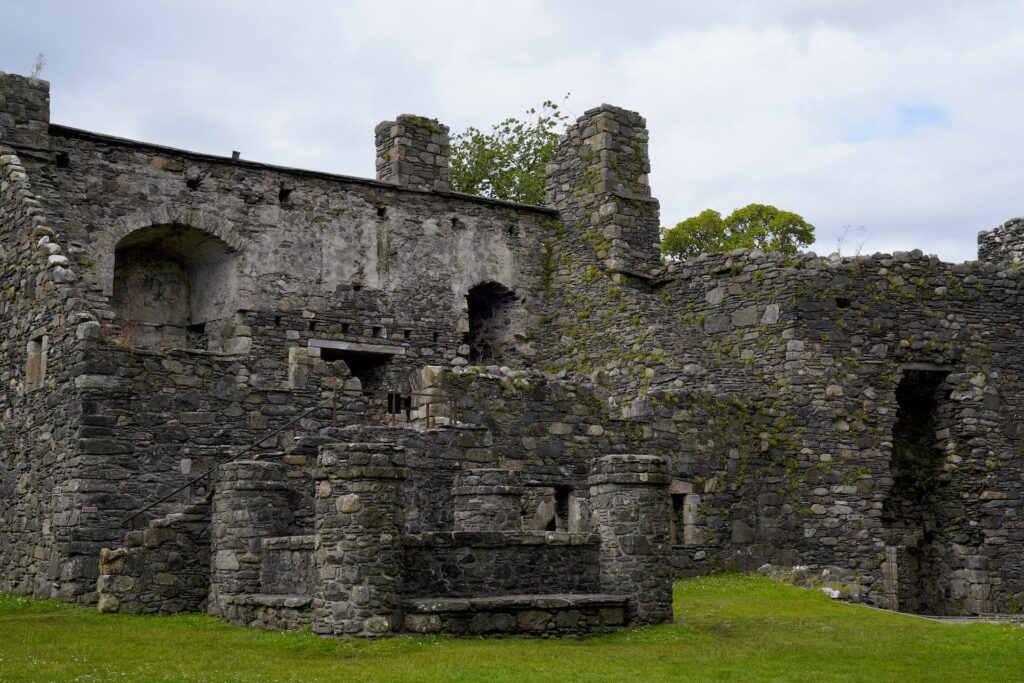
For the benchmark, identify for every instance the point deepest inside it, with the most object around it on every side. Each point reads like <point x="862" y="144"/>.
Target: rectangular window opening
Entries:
<point x="369" y="368"/>
<point x="35" y="364"/>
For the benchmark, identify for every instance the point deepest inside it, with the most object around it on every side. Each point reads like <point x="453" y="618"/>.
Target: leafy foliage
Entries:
<point x="508" y="163"/>
<point x="755" y="226"/>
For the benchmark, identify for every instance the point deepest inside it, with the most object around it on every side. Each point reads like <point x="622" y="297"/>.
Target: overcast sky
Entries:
<point x="901" y="116"/>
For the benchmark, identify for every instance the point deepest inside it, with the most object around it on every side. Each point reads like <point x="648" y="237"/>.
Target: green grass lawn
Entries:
<point x="728" y="628"/>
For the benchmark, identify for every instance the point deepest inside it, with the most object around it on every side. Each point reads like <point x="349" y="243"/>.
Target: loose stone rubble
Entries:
<point x="368" y="407"/>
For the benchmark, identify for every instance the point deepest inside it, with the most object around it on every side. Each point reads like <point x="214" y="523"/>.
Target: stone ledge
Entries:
<point x="268" y="600"/>
<point x="287" y="542"/>
<point x="497" y="539"/>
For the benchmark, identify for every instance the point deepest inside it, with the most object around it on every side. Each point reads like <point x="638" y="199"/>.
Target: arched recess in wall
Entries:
<point x="172" y="285"/>
<point x="491" y="308"/>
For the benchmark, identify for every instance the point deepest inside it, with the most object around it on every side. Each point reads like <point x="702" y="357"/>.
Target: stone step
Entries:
<point x="527" y="615"/>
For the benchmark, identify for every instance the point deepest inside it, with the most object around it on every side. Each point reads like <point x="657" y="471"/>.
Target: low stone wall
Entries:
<point x="164" y="569"/>
<point x="493" y="563"/>
<point x="271" y="612"/>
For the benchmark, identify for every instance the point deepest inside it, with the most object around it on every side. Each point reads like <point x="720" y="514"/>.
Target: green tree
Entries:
<point x="508" y="163"/>
<point x="755" y="226"/>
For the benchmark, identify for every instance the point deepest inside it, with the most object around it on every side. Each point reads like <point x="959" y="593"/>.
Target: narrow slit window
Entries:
<point x="35" y="364"/>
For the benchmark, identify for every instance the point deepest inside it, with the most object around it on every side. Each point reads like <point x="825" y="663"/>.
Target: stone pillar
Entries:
<point x="631" y="507"/>
<point x="412" y="151"/>
<point x="598" y="183"/>
<point x="24" y="112"/>
<point x="250" y="502"/>
<point x="358" y="542"/>
<point x="488" y="500"/>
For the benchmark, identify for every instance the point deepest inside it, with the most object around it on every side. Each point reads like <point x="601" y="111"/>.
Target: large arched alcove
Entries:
<point x="171" y="282"/>
<point x="491" y="306"/>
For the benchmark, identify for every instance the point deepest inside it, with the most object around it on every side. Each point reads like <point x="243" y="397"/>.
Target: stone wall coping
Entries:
<point x="56" y="130"/>
<point x="715" y="262"/>
<point x="497" y="539"/>
<point x="342" y="471"/>
<point x="497" y="602"/>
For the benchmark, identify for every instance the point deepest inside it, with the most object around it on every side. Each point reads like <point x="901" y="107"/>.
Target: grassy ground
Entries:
<point x="729" y="628"/>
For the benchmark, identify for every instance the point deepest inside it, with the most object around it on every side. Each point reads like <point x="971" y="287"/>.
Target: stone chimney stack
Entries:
<point x="598" y="183"/>
<point x="24" y="112"/>
<point x="412" y="151"/>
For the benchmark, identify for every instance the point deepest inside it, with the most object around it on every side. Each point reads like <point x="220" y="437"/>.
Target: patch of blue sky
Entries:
<point x="899" y="122"/>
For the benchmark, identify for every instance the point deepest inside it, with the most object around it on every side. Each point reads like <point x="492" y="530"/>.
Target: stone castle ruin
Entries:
<point x="292" y="399"/>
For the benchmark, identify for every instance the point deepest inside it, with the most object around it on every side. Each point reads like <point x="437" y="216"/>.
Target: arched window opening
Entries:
<point x="491" y="306"/>
<point x="171" y="285"/>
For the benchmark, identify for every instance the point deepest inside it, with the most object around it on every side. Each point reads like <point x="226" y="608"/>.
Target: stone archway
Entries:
<point x="491" y="309"/>
<point x="171" y="285"/>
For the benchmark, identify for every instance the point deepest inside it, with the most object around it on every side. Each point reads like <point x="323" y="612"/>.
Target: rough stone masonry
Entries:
<point x="367" y="407"/>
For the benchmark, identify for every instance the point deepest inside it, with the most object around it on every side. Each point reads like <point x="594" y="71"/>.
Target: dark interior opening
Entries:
<point x="196" y="335"/>
<point x="911" y="512"/>
<point x="370" y="368"/>
<point x="63" y="160"/>
<point x="284" y="196"/>
<point x="560" y="520"/>
<point x="677" y="517"/>
<point x="382" y="211"/>
<point x="490" y="322"/>
<point x="843" y="302"/>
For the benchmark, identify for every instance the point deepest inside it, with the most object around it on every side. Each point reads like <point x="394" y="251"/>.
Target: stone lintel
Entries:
<point x="357" y="347"/>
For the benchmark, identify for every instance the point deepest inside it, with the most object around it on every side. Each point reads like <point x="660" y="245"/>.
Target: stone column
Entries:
<point x="631" y="507"/>
<point x="358" y="542"/>
<point x="412" y="151"/>
<point x="488" y="500"/>
<point x="250" y="502"/>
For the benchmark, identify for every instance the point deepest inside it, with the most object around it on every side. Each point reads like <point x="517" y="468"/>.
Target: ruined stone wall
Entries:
<point x="279" y="264"/>
<point x="40" y="309"/>
<point x="1002" y="244"/>
<point x="341" y="259"/>
<point x="802" y="357"/>
<point x="162" y="569"/>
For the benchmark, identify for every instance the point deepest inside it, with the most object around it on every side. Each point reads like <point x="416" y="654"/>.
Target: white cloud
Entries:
<point x="902" y="117"/>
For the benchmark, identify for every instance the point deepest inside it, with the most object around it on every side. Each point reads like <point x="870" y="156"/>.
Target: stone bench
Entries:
<point x="525" y="615"/>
